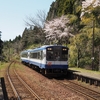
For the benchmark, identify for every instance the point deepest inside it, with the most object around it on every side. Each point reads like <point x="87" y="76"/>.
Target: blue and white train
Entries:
<point x="49" y="59"/>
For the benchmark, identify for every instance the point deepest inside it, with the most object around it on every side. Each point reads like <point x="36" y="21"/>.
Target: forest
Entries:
<point x="73" y="23"/>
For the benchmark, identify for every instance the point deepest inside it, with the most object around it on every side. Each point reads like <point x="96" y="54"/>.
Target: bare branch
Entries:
<point x="38" y="21"/>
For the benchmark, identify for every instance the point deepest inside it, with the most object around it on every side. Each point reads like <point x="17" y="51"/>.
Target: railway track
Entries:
<point x="21" y="90"/>
<point x="89" y="94"/>
<point x="18" y="87"/>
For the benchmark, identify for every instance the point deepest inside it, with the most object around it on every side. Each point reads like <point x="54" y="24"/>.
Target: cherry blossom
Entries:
<point x="87" y="3"/>
<point x="57" y="28"/>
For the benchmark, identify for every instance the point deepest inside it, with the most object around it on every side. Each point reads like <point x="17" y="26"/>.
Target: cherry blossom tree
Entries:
<point x="57" y="28"/>
<point x="88" y="4"/>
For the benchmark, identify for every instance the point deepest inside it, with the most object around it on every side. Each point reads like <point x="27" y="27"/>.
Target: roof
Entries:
<point x="41" y="48"/>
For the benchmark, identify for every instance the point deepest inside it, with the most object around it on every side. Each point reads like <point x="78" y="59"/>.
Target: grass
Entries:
<point x="84" y="70"/>
<point x="3" y="67"/>
<point x="19" y="66"/>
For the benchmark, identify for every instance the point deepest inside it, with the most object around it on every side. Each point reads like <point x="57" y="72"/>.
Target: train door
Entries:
<point x="43" y="62"/>
<point x="42" y="58"/>
<point x="57" y="56"/>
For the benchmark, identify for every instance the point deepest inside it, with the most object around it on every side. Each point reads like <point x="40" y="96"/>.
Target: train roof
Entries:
<point x="25" y="51"/>
<point x="46" y="46"/>
<point x="41" y="48"/>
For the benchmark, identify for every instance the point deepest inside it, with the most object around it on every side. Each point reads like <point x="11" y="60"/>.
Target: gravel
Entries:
<point x="45" y="87"/>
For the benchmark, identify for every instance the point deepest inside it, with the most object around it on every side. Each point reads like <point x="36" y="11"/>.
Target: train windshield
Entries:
<point x="57" y="53"/>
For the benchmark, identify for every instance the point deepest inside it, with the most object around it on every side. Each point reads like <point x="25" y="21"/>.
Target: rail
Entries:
<point x="17" y="96"/>
<point x="84" y="91"/>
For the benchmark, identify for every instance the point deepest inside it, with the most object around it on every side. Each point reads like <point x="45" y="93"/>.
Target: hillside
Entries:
<point x="84" y="23"/>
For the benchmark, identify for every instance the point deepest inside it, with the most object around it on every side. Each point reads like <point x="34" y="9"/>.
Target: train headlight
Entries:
<point x="49" y="48"/>
<point x="64" y="49"/>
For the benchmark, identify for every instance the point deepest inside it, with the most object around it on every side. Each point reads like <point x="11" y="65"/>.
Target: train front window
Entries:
<point x="54" y="53"/>
<point x="49" y="54"/>
<point x="64" y="54"/>
<point x="57" y="54"/>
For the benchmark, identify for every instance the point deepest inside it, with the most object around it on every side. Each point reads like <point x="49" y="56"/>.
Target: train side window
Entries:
<point x="38" y="55"/>
<point x="33" y="55"/>
<point x="24" y="55"/>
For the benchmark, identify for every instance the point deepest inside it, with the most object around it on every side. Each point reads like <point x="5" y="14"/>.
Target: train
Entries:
<point x="47" y="59"/>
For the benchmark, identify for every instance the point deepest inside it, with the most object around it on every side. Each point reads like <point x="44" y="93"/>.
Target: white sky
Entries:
<point x="14" y="13"/>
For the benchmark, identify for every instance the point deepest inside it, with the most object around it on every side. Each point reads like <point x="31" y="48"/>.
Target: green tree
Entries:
<point x="1" y="47"/>
<point x="91" y="21"/>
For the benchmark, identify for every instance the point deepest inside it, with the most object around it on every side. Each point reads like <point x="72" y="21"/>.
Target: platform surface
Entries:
<point x="86" y="73"/>
<point x="1" y="92"/>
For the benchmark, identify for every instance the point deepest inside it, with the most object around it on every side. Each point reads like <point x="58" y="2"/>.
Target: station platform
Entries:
<point x="86" y="73"/>
<point x="1" y="92"/>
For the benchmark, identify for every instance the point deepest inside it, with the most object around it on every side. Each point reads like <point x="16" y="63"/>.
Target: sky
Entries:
<point x="14" y="13"/>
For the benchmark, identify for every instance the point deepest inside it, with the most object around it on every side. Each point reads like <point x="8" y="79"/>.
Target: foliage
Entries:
<point x="65" y="17"/>
<point x="81" y="48"/>
<point x="1" y="47"/>
<point x="58" y="29"/>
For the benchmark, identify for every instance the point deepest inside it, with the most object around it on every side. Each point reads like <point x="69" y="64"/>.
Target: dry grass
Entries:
<point x="3" y="67"/>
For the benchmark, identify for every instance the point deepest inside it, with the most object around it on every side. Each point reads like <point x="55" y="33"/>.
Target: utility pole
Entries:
<point x="93" y="45"/>
<point x="99" y="58"/>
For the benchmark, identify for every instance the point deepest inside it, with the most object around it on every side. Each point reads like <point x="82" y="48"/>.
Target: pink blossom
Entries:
<point x="88" y="3"/>
<point x="57" y="28"/>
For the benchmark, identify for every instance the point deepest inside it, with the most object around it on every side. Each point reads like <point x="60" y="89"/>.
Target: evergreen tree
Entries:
<point x="1" y="47"/>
